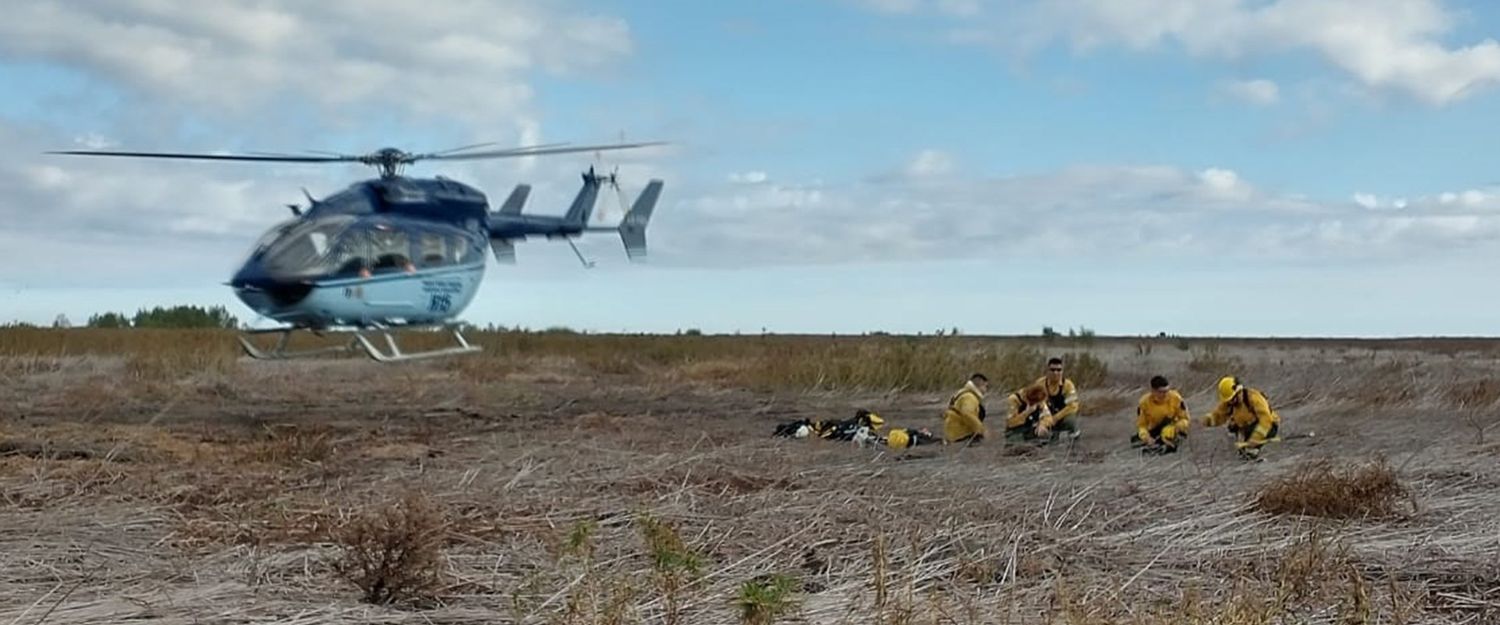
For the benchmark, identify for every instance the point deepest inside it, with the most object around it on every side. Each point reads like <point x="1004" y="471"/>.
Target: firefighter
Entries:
<point x="1161" y="419"/>
<point x="1028" y="410"/>
<point x="1248" y="416"/>
<point x="1061" y="405"/>
<point x="963" y="419"/>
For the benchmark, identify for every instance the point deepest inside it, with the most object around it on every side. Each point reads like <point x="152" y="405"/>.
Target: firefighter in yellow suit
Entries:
<point x="963" y="420"/>
<point x="1161" y="418"/>
<point x="1055" y="417"/>
<point x="1248" y="414"/>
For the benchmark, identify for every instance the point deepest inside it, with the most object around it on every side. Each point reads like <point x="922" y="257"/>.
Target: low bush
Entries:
<point x="1324" y="488"/>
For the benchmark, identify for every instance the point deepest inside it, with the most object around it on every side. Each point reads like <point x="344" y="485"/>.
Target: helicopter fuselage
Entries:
<point x="388" y="251"/>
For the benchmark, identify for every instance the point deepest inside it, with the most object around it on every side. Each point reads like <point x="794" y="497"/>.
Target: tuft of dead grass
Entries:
<point x="289" y="444"/>
<point x="1324" y="488"/>
<point x="393" y="553"/>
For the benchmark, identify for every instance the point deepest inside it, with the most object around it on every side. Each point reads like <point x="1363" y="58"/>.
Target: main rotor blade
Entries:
<point x="214" y="157"/>
<point x="480" y="145"/>
<point x="539" y="150"/>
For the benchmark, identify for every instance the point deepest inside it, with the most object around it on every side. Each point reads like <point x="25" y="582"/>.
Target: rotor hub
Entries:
<point x="389" y="161"/>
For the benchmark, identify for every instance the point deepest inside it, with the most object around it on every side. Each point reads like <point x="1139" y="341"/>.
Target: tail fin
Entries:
<point x="633" y="226"/>
<point x="583" y="203"/>
<point x="517" y="199"/>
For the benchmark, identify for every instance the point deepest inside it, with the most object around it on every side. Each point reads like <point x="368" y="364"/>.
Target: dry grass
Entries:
<point x="393" y="553"/>
<point x="1325" y="488"/>
<point x="571" y="480"/>
<point x="291" y="444"/>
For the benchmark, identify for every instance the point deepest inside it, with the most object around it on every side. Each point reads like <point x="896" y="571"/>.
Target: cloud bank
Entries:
<point x="469" y="61"/>
<point x="1391" y="45"/>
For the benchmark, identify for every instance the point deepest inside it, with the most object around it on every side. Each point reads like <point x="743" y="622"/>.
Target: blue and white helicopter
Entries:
<point x="397" y="252"/>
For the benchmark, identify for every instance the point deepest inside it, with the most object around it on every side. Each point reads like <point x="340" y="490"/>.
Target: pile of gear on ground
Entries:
<point x="1046" y="411"/>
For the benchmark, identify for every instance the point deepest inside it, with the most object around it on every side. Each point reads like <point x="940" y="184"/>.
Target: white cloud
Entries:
<point x="749" y="177"/>
<point x="1447" y="202"/>
<point x="958" y="8"/>
<point x="1395" y="45"/>
<point x="930" y="163"/>
<point x="1225" y="183"/>
<point x="467" y="61"/>
<point x="1107" y="213"/>
<point x="1260" y="92"/>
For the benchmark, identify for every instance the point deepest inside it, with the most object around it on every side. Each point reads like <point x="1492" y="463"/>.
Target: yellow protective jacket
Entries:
<point x="1151" y="414"/>
<point x="1245" y="410"/>
<point x="1062" y="400"/>
<point x="1018" y="413"/>
<point x="962" y="417"/>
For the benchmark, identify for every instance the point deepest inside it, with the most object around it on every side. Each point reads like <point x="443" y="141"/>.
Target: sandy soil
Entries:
<point x="223" y="497"/>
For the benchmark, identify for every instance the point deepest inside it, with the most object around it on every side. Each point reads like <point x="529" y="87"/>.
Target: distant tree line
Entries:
<point x="163" y="317"/>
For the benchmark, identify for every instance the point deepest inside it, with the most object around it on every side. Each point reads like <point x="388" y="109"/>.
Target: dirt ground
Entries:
<point x="554" y="494"/>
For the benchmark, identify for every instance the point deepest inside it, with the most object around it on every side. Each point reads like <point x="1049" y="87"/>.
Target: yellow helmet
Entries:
<point x="898" y="439"/>
<point x="875" y="421"/>
<point x="1228" y="386"/>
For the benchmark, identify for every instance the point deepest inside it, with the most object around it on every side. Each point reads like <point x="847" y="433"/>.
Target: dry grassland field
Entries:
<point x="156" y="476"/>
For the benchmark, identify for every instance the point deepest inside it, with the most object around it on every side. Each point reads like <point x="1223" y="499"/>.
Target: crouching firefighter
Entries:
<point x="1161" y="419"/>
<point x="1248" y="416"/>
<point x="963" y="419"/>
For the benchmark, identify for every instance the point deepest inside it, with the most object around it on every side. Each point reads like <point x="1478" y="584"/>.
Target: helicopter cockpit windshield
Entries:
<point x="303" y="250"/>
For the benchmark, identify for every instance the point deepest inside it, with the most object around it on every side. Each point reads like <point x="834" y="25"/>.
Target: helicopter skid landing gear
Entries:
<point x="392" y="353"/>
<point x="396" y="355"/>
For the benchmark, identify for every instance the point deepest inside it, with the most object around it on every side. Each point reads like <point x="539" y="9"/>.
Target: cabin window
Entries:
<point x="390" y="249"/>
<point x="431" y="250"/>
<point x="462" y="249"/>
<point x="353" y="254"/>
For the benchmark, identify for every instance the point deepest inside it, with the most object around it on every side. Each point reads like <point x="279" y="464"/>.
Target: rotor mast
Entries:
<point x="388" y="161"/>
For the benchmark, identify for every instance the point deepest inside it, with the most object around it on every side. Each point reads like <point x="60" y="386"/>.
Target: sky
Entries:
<point x="1202" y="167"/>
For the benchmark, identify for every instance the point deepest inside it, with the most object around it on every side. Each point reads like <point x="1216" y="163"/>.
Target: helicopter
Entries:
<point x="398" y="253"/>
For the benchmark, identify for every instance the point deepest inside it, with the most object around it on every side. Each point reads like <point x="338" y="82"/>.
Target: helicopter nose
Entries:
<point x="270" y="296"/>
<point x="266" y="293"/>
